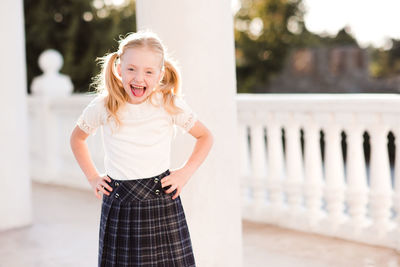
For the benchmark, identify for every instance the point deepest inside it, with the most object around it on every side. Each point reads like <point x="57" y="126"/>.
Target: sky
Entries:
<point x="370" y="21"/>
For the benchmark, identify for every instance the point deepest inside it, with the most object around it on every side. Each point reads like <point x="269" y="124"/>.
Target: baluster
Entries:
<point x="51" y="163"/>
<point x="396" y="197"/>
<point x="244" y="155"/>
<point x="334" y="178"/>
<point x="294" y="168"/>
<point x="275" y="166"/>
<point x="258" y="160"/>
<point x="313" y="174"/>
<point x="380" y="184"/>
<point x="357" y="188"/>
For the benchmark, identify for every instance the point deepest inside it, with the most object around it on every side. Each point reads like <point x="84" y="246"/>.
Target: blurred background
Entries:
<point x="282" y="46"/>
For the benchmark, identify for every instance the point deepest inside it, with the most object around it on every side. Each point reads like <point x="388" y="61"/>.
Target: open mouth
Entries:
<point x="138" y="91"/>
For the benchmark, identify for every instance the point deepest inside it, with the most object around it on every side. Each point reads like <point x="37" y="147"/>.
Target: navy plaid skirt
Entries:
<point x="141" y="225"/>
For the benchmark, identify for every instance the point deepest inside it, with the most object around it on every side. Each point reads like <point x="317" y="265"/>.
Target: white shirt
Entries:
<point x="140" y="147"/>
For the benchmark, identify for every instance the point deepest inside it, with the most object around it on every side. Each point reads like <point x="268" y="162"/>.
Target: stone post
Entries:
<point x="15" y="197"/>
<point x="200" y="36"/>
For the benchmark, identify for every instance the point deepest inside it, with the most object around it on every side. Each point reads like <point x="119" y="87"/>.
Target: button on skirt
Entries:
<point x="141" y="225"/>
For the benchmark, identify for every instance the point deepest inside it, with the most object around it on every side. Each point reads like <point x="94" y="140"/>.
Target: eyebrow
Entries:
<point x="145" y="67"/>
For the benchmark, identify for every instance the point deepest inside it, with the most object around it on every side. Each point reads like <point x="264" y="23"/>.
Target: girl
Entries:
<point x="137" y="107"/>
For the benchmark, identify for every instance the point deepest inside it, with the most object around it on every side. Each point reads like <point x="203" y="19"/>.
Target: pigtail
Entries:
<point x="171" y="86"/>
<point x="110" y="78"/>
<point x="108" y="83"/>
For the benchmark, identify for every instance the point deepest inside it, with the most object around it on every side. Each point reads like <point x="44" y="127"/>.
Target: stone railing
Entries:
<point x="51" y="121"/>
<point x="293" y="169"/>
<point x="53" y="112"/>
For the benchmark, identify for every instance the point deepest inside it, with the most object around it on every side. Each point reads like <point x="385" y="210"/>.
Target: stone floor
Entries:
<point x="50" y="242"/>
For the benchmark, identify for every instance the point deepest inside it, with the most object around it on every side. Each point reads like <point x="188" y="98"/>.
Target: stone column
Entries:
<point x="15" y="197"/>
<point x="200" y="36"/>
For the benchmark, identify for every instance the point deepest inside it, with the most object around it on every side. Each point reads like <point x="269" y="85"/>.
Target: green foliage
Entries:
<point x="386" y="63"/>
<point x="77" y="29"/>
<point x="262" y="39"/>
<point x="308" y="39"/>
<point x="261" y="54"/>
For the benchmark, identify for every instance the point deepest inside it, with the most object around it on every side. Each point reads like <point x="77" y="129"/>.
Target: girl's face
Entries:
<point x="140" y="72"/>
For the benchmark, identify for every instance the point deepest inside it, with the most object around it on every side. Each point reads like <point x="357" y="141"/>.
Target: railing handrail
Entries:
<point x="321" y="102"/>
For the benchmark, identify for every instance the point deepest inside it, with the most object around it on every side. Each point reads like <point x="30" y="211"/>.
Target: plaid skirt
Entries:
<point x="141" y="225"/>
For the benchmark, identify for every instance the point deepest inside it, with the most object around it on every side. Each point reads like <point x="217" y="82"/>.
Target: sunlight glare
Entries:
<point x="118" y="2"/>
<point x="235" y="6"/>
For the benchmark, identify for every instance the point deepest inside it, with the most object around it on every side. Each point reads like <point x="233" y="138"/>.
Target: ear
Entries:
<point x="119" y="69"/>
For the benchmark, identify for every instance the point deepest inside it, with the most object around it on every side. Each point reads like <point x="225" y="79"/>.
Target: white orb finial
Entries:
<point x="51" y="82"/>
<point x="50" y="61"/>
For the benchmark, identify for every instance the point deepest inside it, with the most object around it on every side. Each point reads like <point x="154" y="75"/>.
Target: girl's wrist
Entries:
<point x="92" y="177"/>
<point x="188" y="171"/>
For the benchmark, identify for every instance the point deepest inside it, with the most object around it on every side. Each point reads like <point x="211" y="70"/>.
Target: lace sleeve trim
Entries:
<point x="84" y="126"/>
<point x="190" y="122"/>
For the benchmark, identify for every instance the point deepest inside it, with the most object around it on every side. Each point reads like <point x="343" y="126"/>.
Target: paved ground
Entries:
<point x="266" y="245"/>
<point x="49" y="242"/>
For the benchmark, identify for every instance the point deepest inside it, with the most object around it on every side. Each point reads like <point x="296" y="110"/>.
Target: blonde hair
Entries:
<point x="108" y="83"/>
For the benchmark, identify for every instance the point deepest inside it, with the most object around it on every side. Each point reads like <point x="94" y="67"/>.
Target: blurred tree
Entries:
<point x="81" y="30"/>
<point x="265" y="31"/>
<point x="262" y="39"/>
<point x="308" y="39"/>
<point x="386" y="62"/>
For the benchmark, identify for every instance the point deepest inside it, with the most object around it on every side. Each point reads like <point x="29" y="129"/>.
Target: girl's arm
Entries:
<point x="82" y="155"/>
<point x="178" y="178"/>
<point x="203" y="145"/>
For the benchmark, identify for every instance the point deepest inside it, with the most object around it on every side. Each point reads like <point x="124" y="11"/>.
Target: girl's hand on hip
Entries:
<point x="99" y="184"/>
<point x="177" y="180"/>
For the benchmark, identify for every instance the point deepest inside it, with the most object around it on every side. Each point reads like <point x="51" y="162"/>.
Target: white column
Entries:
<point x="294" y="168"/>
<point x="244" y="158"/>
<point x="15" y="196"/>
<point x="397" y="176"/>
<point x="275" y="166"/>
<point x="396" y="195"/>
<point x="258" y="163"/>
<point x="380" y="185"/>
<point x="200" y="36"/>
<point x="357" y="188"/>
<point x="313" y="173"/>
<point x="334" y="177"/>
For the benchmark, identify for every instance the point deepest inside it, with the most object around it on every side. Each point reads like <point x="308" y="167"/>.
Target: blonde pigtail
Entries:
<point x="171" y="86"/>
<point x="108" y="83"/>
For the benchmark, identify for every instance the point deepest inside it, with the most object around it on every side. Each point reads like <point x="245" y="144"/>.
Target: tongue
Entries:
<point x="138" y="92"/>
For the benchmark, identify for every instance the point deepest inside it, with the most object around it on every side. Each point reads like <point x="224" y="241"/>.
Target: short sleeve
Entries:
<point x="92" y="116"/>
<point x="185" y="119"/>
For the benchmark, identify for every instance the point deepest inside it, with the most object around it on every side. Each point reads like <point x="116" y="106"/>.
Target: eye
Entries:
<point x="131" y="69"/>
<point x="149" y="72"/>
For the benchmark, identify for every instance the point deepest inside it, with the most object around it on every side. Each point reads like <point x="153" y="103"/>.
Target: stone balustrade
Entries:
<point x="51" y="121"/>
<point x="293" y="169"/>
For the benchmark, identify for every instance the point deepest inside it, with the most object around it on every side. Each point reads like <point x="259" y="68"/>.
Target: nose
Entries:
<point x="138" y="77"/>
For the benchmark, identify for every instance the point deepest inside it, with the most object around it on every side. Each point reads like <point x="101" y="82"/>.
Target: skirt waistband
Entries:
<point x="166" y="173"/>
<point x="125" y="191"/>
